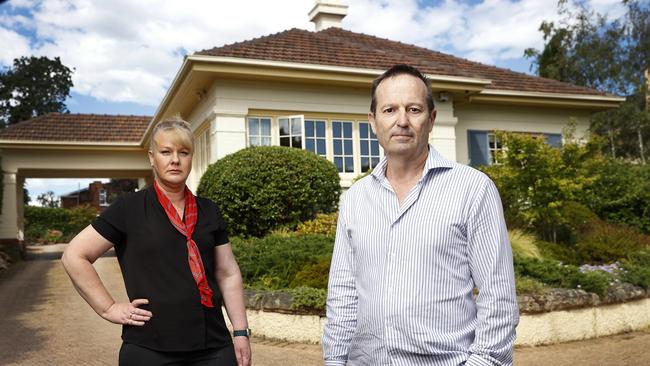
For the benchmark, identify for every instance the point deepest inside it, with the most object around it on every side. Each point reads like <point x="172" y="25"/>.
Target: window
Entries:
<point x="315" y="136"/>
<point x="103" y="198"/>
<point x="291" y="131"/>
<point x="369" y="147"/>
<point x="495" y="147"/>
<point x="485" y="148"/>
<point x="342" y="142"/>
<point x="259" y="131"/>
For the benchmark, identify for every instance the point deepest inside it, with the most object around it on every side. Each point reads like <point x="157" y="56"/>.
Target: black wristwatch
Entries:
<point x="241" y="333"/>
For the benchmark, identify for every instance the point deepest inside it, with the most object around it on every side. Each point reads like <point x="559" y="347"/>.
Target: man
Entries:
<point x="413" y="240"/>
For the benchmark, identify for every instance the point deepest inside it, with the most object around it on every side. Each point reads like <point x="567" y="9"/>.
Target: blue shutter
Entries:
<point x="553" y="139"/>
<point x="478" y="148"/>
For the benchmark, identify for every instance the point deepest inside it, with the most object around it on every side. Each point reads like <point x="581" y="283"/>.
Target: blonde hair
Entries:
<point x="181" y="130"/>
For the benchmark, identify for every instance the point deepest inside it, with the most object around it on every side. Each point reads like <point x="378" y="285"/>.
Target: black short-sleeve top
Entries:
<point x="153" y="258"/>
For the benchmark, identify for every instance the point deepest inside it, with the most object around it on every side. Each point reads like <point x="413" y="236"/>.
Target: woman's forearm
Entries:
<point x="87" y="282"/>
<point x="232" y="289"/>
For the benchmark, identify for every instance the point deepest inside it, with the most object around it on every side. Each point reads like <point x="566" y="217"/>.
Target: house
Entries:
<point x="308" y="90"/>
<point x="97" y="195"/>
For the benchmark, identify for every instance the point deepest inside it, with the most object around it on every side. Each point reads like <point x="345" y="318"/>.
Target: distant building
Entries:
<point x="98" y="195"/>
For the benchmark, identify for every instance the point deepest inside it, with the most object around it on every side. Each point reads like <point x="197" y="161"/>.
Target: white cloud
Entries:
<point x="129" y="51"/>
<point x="14" y="45"/>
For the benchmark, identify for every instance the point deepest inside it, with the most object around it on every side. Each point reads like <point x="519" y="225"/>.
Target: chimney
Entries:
<point x="328" y="13"/>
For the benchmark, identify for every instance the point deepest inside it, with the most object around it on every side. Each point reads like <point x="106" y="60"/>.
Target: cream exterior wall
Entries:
<point x="228" y="102"/>
<point x="513" y="118"/>
<point x="72" y="163"/>
<point x="533" y="329"/>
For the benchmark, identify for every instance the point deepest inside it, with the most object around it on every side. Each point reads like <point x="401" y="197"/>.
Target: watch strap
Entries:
<point x="241" y="333"/>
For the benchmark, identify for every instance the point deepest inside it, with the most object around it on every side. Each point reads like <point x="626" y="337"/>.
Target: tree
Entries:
<point x="587" y="49"/>
<point x="48" y="199"/>
<point x="34" y="86"/>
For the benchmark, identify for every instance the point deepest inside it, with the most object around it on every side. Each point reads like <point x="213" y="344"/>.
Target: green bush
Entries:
<point x="313" y="274"/>
<point x="606" y="243"/>
<point x="560" y="252"/>
<point x="307" y="298"/>
<point x="554" y="273"/>
<point x="621" y="193"/>
<point x="262" y="188"/>
<point x="272" y="262"/>
<point x="636" y="269"/>
<point x="324" y="224"/>
<point x="535" y="181"/>
<point x="528" y="286"/>
<point x="41" y="220"/>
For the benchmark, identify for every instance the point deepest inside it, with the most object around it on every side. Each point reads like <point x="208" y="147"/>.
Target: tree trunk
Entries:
<point x="638" y="131"/>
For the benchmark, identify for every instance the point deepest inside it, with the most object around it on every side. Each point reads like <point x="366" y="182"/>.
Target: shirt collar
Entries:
<point x="434" y="161"/>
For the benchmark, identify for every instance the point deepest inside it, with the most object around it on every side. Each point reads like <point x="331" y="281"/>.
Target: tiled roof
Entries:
<point x="78" y="127"/>
<point x="338" y="47"/>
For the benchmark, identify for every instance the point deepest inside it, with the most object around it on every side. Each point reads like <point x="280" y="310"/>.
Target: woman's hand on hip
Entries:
<point x="128" y="313"/>
<point x="242" y="350"/>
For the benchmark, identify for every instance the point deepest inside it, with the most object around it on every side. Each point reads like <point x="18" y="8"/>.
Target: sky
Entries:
<point x="125" y="53"/>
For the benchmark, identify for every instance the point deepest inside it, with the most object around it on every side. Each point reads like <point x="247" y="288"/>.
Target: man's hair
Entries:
<point x="401" y="69"/>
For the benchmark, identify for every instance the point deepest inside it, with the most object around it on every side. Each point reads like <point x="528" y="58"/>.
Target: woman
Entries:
<point x="176" y="262"/>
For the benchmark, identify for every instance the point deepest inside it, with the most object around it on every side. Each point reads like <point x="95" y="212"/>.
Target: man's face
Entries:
<point x="401" y="120"/>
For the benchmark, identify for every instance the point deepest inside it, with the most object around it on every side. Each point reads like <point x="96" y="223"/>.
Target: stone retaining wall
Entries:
<point x="559" y="315"/>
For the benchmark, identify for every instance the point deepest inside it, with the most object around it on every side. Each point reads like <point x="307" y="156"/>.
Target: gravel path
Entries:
<point x="45" y="322"/>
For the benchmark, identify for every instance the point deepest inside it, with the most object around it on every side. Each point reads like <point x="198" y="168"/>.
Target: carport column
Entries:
<point x="144" y="182"/>
<point x="11" y="233"/>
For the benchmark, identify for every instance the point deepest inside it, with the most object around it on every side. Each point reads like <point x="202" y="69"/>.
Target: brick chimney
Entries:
<point x="328" y="13"/>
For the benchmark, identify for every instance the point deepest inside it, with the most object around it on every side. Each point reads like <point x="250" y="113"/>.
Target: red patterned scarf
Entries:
<point x="187" y="228"/>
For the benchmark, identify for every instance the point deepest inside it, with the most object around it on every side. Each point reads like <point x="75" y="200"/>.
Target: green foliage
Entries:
<point x="33" y="87"/>
<point x="621" y="193"/>
<point x="272" y="262"/>
<point x="636" y="269"/>
<point x="313" y="274"/>
<point x="559" y="252"/>
<point x="48" y="199"/>
<point x="41" y="221"/>
<point x="324" y="224"/>
<point x="536" y="180"/>
<point x="307" y="298"/>
<point x="606" y="243"/>
<point x="523" y="244"/>
<point x="528" y="286"/>
<point x="262" y="188"/>
<point x="554" y="273"/>
<point x="587" y="49"/>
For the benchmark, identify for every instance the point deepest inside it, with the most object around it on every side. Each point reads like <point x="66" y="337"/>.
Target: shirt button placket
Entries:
<point x="390" y="264"/>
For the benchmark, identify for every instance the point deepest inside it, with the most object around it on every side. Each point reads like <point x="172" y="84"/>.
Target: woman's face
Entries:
<point x="171" y="160"/>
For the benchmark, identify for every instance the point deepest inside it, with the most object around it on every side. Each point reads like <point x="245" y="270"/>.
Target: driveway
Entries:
<point x="45" y="322"/>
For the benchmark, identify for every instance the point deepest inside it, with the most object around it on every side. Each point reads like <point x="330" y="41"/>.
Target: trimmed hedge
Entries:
<point x="263" y="188"/>
<point x="42" y="223"/>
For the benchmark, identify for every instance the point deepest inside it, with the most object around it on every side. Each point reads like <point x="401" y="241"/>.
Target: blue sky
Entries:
<point x="125" y="53"/>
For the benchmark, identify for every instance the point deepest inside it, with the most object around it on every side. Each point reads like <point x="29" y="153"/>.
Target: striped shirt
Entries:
<point x="402" y="276"/>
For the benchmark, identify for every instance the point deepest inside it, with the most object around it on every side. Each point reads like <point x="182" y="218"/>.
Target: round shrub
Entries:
<point x="262" y="188"/>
